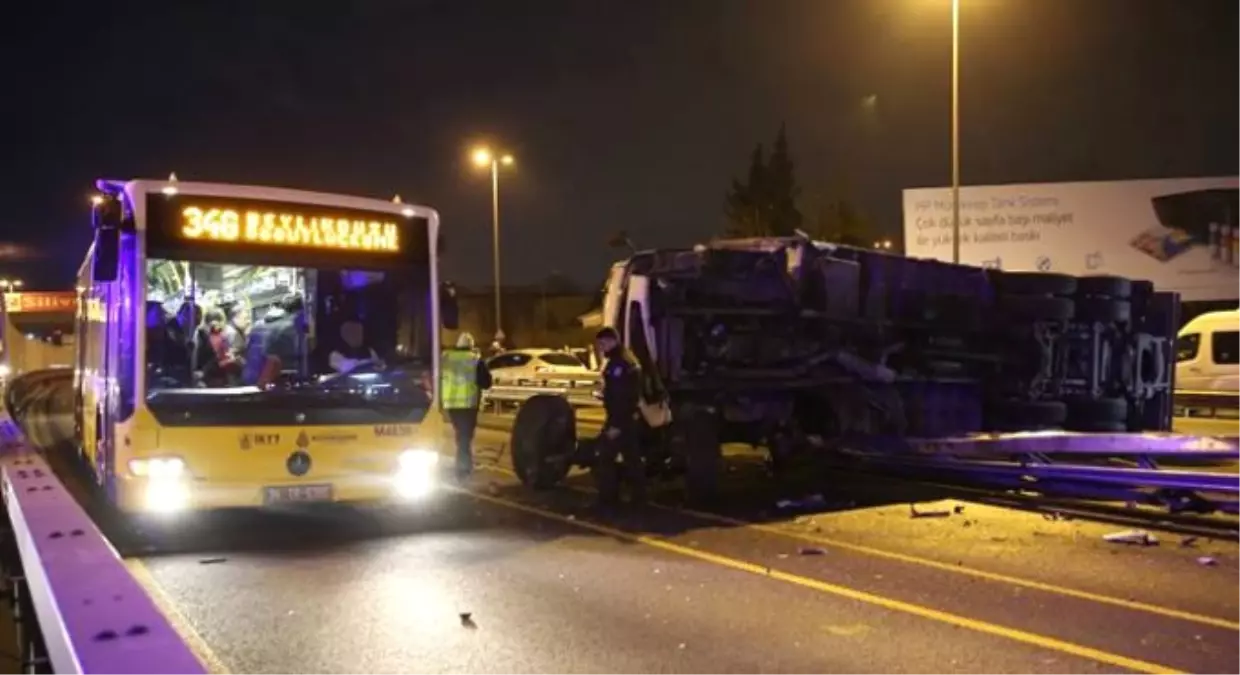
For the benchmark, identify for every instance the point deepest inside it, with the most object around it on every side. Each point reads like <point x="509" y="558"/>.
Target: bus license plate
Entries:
<point x="285" y="494"/>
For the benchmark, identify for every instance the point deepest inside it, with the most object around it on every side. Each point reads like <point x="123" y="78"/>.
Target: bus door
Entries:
<point x="105" y="389"/>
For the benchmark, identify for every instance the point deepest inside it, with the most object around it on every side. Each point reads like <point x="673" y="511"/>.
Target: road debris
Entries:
<point x="1132" y="538"/>
<point x="1207" y="561"/>
<point x="467" y="620"/>
<point x="212" y="561"/>
<point x="959" y="508"/>
<point x="1188" y="542"/>
<point x="814" y="501"/>
<point x="812" y="550"/>
<point x="936" y="513"/>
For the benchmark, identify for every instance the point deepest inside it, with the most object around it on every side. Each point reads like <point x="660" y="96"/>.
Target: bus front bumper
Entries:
<point x="413" y="482"/>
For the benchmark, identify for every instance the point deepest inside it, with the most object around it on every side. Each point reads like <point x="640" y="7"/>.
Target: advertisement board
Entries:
<point x="1179" y="233"/>
<point x="41" y="302"/>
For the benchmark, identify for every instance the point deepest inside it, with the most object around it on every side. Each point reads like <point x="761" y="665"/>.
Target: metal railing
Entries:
<point x="77" y="606"/>
<point x="580" y="397"/>
<point x="1207" y="404"/>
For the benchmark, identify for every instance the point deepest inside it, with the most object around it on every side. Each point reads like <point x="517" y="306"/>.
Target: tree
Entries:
<point x="840" y="222"/>
<point x="744" y="203"/>
<point x="782" y="187"/>
<point x="766" y="203"/>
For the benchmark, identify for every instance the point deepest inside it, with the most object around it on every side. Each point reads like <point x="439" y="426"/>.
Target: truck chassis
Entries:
<point x="814" y="350"/>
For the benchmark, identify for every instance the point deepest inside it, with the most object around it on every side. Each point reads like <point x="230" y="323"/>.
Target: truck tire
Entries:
<point x="1103" y="310"/>
<point x="1118" y="288"/>
<point x="1099" y="415"/>
<point x="1026" y="308"/>
<point x="1036" y="283"/>
<point x="544" y="440"/>
<point x="1013" y="415"/>
<point x="702" y="454"/>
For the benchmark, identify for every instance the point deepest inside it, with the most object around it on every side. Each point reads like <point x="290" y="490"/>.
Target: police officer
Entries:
<point x="463" y="376"/>
<point x="622" y="385"/>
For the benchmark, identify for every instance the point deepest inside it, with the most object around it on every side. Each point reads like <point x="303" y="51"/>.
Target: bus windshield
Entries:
<point x="253" y="344"/>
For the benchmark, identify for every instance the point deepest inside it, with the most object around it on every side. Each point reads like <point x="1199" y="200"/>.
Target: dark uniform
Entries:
<point x="622" y="385"/>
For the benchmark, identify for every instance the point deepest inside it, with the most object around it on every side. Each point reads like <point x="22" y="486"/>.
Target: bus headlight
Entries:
<point x="166" y="490"/>
<point x="157" y="468"/>
<point x="415" y="476"/>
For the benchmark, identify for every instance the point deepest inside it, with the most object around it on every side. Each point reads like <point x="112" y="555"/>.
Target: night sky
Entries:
<point x="627" y="114"/>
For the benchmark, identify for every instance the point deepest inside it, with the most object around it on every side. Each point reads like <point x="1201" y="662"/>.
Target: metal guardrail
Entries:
<point x="1206" y="405"/>
<point x="582" y="397"/>
<point x="80" y="608"/>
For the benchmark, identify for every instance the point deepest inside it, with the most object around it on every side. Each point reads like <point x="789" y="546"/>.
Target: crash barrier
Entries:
<point x="76" y="605"/>
<point x="1072" y="465"/>
<point x="1208" y="404"/>
<point x="578" y="397"/>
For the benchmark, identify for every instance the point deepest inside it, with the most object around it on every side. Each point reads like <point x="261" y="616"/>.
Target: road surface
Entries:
<point x="494" y="579"/>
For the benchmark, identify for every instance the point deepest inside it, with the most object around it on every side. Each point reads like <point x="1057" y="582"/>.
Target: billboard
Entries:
<point x="41" y="302"/>
<point x="1179" y="233"/>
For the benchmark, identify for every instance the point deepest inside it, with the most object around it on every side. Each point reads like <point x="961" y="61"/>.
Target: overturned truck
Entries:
<point x="803" y="347"/>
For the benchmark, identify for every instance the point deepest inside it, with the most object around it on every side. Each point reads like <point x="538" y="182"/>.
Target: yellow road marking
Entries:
<point x="181" y="624"/>
<point x="934" y="564"/>
<point x="1034" y="639"/>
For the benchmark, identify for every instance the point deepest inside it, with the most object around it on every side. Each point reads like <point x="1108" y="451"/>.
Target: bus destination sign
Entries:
<point x="289" y="228"/>
<point x="223" y="222"/>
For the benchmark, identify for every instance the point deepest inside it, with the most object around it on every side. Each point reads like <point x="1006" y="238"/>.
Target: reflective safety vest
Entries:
<point x="458" y="385"/>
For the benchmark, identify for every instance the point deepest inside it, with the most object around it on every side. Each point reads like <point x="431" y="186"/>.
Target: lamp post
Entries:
<point x="483" y="157"/>
<point x="956" y="131"/>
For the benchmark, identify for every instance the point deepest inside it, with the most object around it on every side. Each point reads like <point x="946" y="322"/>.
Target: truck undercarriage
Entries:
<point x="805" y="348"/>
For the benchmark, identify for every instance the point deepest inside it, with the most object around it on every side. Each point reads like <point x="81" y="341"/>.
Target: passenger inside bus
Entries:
<point x="276" y="324"/>
<point x="277" y="342"/>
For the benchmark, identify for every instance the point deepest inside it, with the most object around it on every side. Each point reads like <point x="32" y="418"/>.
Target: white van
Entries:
<point x="1207" y="354"/>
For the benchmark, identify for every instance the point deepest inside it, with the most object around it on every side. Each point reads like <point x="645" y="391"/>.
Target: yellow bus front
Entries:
<point x="281" y="348"/>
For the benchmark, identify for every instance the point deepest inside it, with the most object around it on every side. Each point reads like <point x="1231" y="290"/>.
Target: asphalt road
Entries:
<point x="549" y="586"/>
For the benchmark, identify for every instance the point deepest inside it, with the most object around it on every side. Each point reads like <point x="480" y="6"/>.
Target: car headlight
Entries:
<point x="418" y="459"/>
<point x="157" y="467"/>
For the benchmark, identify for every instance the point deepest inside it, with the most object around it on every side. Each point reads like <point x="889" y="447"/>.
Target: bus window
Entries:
<point x="221" y="326"/>
<point x="1225" y="346"/>
<point x="1186" y="347"/>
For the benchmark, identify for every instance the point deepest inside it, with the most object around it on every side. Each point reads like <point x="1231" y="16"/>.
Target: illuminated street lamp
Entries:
<point x="9" y="285"/>
<point x="883" y="244"/>
<point x="483" y="157"/>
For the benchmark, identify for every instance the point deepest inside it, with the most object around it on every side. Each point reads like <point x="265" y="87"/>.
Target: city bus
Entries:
<point x="207" y="318"/>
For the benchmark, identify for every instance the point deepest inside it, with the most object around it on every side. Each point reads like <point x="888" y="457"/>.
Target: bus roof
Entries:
<point x="138" y="187"/>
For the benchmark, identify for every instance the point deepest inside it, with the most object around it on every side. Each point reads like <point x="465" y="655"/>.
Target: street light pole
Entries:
<point x="499" y="323"/>
<point x="483" y="157"/>
<point x="956" y="131"/>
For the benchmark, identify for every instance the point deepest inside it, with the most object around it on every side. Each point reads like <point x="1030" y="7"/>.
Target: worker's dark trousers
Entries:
<point x="607" y="473"/>
<point x="464" y="422"/>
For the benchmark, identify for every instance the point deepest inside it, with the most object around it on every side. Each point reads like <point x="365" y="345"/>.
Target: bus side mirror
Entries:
<point x="449" y="311"/>
<point x="107" y="254"/>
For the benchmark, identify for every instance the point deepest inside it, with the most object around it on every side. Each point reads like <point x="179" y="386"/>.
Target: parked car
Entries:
<point x="540" y="367"/>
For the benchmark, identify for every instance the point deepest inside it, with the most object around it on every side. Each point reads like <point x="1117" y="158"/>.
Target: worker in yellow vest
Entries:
<point x="463" y="377"/>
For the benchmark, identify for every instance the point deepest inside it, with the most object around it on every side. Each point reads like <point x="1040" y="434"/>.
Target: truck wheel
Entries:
<point x="1014" y="415"/>
<point x="1103" y="310"/>
<point x="1024" y="308"/>
<point x="1099" y="415"/>
<point x="1118" y="288"/>
<point x="703" y="456"/>
<point x="544" y="439"/>
<point x="1036" y="283"/>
